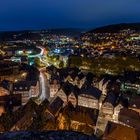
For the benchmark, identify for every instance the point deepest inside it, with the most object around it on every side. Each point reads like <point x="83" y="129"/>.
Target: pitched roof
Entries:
<point x="135" y="102"/>
<point x="15" y="99"/>
<point x="105" y="80"/>
<point x="42" y="107"/>
<point x="129" y="113"/>
<point x="122" y="101"/>
<point x="73" y="75"/>
<point x="111" y="98"/>
<point x="81" y="75"/>
<point x="55" y="105"/>
<point x="68" y="88"/>
<point x="92" y="91"/>
<point x="19" y="115"/>
<point x="130" y="118"/>
<point x="81" y="114"/>
<point x="120" y="132"/>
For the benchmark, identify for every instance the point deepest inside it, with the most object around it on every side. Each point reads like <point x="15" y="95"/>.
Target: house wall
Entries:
<point x="88" y="102"/>
<point x="54" y="89"/>
<point x="25" y="96"/>
<point x="117" y="111"/>
<point x="34" y="90"/>
<point x="3" y="91"/>
<point x="2" y="110"/>
<point x="72" y="99"/>
<point x="82" y="81"/>
<point x="107" y="108"/>
<point x="62" y="95"/>
<point x="103" y="87"/>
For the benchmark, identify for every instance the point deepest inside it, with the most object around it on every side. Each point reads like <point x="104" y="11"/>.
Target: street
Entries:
<point x="44" y="87"/>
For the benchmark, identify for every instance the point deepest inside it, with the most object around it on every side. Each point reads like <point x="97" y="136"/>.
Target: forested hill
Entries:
<point x="116" y="28"/>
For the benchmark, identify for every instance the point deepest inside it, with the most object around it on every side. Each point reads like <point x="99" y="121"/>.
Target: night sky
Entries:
<point x="39" y="14"/>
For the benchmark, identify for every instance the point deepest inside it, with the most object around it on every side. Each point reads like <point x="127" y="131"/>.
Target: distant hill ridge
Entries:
<point x="35" y="34"/>
<point x="116" y="28"/>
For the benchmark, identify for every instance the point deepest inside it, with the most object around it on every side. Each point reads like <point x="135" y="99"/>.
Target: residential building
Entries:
<point x="27" y="89"/>
<point x="78" y="118"/>
<point x="69" y="93"/>
<point x="89" y="97"/>
<point x="130" y="118"/>
<point x="102" y="85"/>
<point x="134" y="104"/>
<point x="54" y="107"/>
<point x="108" y="104"/>
<point x="116" y="131"/>
<point x="54" y="86"/>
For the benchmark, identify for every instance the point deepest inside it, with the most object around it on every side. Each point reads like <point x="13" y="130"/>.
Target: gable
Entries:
<point x="68" y="78"/>
<point x="119" y="106"/>
<point x="72" y="95"/>
<point x="107" y="104"/>
<point x="61" y="93"/>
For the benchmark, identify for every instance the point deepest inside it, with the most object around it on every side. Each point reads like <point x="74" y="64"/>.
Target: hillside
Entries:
<point x="116" y="28"/>
<point x="66" y="31"/>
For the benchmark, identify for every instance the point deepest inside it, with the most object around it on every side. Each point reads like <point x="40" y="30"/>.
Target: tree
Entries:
<point x="61" y="64"/>
<point x="37" y="61"/>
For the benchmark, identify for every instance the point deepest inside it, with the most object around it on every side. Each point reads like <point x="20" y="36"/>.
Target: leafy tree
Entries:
<point x="37" y="61"/>
<point x="61" y="64"/>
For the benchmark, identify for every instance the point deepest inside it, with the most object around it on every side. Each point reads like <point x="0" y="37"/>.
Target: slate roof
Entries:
<point x="55" y="105"/>
<point x="73" y="75"/>
<point x="92" y="91"/>
<point x="81" y="75"/>
<point x="135" y="102"/>
<point x="42" y="107"/>
<point x="105" y="80"/>
<point x="68" y="88"/>
<point x="111" y="98"/>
